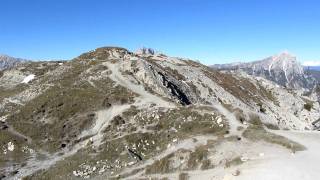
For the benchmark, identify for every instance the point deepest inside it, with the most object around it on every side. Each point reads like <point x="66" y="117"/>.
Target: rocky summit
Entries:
<point x="8" y="62"/>
<point x="284" y="69"/>
<point x="114" y="114"/>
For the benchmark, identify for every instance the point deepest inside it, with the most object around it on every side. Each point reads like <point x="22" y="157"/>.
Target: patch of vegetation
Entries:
<point x="63" y="169"/>
<point x="189" y="122"/>
<point x="5" y="93"/>
<point x="39" y="68"/>
<point x="183" y="176"/>
<point x="272" y="126"/>
<point x="233" y="162"/>
<point x="112" y="154"/>
<point x="193" y="63"/>
<point x="103" y="53"/>
<point x="198" y="157"/>
<point x="147" y="143"/>
<point x="206" y="164"/>
<point x="235" y="85"/>
<point x="255" y="120"/>
<point x="256" y="132"/>
<point x="175" y="73"/>
<point x="56" y="117"/>
<point x="308" y="106"/>
<point x="160" y="166"/>
<point x="308" y="103"/>
<point x="56" y="114"/>
<point x="240" y="128"/>
<point x="12" y="157"/>
<point x="268" y="94"/>
<point x="119" y="96"/>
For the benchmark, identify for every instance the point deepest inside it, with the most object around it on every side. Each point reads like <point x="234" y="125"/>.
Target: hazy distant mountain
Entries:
<point x="8" y="62"/>
<point x="283" y="69"/>
<point x="313" y="71"/>
<point x="315" y="68"/>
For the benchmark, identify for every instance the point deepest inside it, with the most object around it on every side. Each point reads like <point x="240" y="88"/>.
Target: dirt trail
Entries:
<point x="95" y="132"/>
<point x="103" y="118"/>
<point x="233" y="122"/>
<point x="301" y="165"/>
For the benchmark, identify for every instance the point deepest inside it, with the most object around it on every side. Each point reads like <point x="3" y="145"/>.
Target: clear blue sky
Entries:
<point x="209" y="30"/>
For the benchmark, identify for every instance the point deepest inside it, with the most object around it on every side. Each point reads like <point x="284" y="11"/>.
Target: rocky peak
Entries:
<point x="145" y="51"/>
<point x="284" y="62"/>
<point x="284" y="59"/>
<point x="7" y="61"/>
<point x="283" y="68"/>
<point x="285" y="55"/>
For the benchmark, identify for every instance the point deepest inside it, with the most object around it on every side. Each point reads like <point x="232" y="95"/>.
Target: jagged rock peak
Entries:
<point x="285" y="56"/>
<point x="285" y="62"/>
<point x="106" y="53"/>
<point x="145" y="51"/>
<point x="283" y="68"/>
<point x="8" y="61"/>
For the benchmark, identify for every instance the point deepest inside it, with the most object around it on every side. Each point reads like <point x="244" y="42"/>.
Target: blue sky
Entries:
<point x="211" y="31"/>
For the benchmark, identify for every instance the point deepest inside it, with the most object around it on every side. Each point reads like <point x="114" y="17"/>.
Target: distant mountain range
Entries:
<point x="8" y="61"/>
<point x="284" y="69"/>
<point x="314" y="68"/>
<point x="314" y="72"/>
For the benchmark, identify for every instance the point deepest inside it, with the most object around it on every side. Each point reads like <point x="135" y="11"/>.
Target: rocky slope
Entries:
<point x="284" y="69"/>
<point x="111" y="113"/>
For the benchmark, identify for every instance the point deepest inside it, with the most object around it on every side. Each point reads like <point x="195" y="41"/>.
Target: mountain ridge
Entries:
<point x="112" y="113"/>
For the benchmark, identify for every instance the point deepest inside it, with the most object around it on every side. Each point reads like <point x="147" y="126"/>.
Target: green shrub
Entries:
<point x="308" y="106"/>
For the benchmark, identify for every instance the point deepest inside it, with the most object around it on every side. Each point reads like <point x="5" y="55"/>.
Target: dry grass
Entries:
<point x="233" y="162"/>
<point x="160" y="166"/>
<point x="271" y="126"/>
<point x="206" y="164"/>
<point x="198" y="157"/>
<point x="235" y="86"/>
<point x="256" y="132"/>
<point x="183" y="176"/>
<point x="103" y="53"/>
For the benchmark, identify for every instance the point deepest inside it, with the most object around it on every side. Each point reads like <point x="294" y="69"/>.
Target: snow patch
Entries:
<point x="29" y="78"/>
